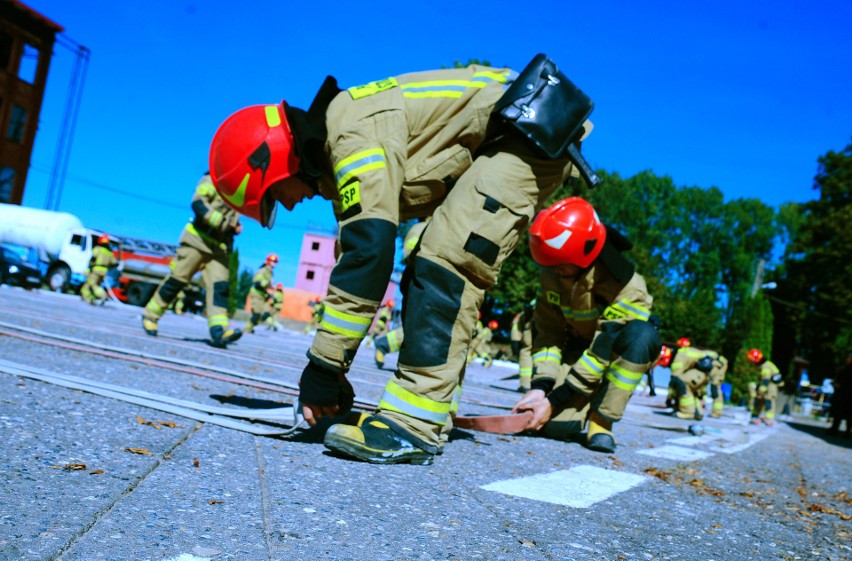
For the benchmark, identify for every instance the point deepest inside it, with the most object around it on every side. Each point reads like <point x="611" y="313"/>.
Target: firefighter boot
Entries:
<point x="220" y="337"/>
<point x="149" y="326"/>
<point x="375" y="442"/>
<point x="600" y="436"/>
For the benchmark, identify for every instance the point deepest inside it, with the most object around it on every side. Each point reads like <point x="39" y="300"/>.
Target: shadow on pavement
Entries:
<point x="821" y="433"/>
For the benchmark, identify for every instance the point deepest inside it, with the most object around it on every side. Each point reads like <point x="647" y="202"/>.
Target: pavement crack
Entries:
<point x="129" y="489"/>
<point x="264" y="497"/>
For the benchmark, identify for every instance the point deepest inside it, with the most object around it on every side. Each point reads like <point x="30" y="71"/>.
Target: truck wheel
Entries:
<point x="58" y="278"/>
<point x="138" y="293"/>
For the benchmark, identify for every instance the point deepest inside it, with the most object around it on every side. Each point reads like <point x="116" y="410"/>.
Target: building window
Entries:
<point x="29" y="64"/>
<point x="17" y="123"/>
<point x="314" y="246"/>
<point x="7" y="181"/>
<point x="309" y="275"/>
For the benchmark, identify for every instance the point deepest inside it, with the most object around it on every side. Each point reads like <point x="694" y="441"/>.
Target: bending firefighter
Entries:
<point x="204" y="245"/>
<point x="101" y="262"/>
<point x="768" y="383"/>
<point x="593" y="342"/>
<point x="717" y="376"/>
<point x="260" y="292"/>
<point x="691" y="369"/>
<point x="452" y="144"/>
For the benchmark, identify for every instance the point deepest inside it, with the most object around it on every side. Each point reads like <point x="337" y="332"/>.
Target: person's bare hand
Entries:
<point x="537" y="402"/>
<point x="313" y="412"/>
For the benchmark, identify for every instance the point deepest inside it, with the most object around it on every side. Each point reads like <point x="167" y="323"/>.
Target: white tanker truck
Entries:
<point x="64" y="247"/>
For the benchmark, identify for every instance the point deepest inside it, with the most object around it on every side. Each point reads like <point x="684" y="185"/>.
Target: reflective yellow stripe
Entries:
<point x="273" y="117"/>
<point x="623" y="378"/>
<point x="396" y="398"/>
<point x="393" y="341"/>
<point x="633" y="310"/>
<point x="215" y="218"/>
<point x="154" y="307"/>
<point x="344" y="324"/>
<point x="593" y="364"/>
<point x="450" y="88"/>
<point x="361" y="162"/>
<point x="549" y="354"/>
<point x="218" y="319"/>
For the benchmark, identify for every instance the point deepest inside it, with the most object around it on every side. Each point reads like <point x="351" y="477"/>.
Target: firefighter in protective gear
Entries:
<point x="261" y="290"/>
<point x="717" y="376"/>
<point x="521" y="340"/>
<point x="480" y="346"/>
<point x="382" y="323"/>
<point x="691" y="369"/>
<point x="274" y="305"/>
<point x="437" y="143"/>
<point x="204" y="245"/>
<point x="593" y="341"/>
<point x="101" y="262"/>
<point x="768" y="384"/>
<point x="317" y="308"/>
<point x="683" y="342"/>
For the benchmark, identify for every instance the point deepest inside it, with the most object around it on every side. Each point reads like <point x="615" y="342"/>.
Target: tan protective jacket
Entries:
<point x="575" y="309"/>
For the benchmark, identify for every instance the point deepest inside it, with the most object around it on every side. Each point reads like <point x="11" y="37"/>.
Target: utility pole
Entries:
<point x="69" y="121"/>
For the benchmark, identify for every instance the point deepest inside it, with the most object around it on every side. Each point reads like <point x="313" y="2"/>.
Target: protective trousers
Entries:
<point x="689" y="386"/>
<point x="92" y="290"/>
<point x="471" y="233"/>
<point x="525" y="361"/>
<point x="194" y="254"/>
<point x="764" y="404"/>
<point x="607" y="373"/>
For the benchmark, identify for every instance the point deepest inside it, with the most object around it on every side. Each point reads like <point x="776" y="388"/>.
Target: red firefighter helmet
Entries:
<point x="251" y="150"/>
<point x="683" y="342"/>
<point x="567" y="232"/>
<point x="666" y="355"/>
<point x="271" y="259"/>
<point x="492" y="325"/>
<point x="279" y="286"/>
<point x="389" y="303"/>
<point x="754" y="355"/>
<point x="103" y="239"/>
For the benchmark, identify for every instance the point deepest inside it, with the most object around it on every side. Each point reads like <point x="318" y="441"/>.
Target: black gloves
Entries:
<point x="324" y="387"/>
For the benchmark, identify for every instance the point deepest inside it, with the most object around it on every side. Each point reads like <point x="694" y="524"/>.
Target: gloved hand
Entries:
<point x="324" y="393"/>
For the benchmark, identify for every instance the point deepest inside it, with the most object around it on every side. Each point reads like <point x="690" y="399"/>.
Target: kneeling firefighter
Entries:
<point x="593" y="342"/>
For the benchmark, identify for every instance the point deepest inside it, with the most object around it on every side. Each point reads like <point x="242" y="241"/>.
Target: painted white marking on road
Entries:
<point x="676" y="453"/>
<point x="188" y="557"/>
<point x="578" y="487"/>
<point x="723" y="446"/>
<point x="693" y="440"/>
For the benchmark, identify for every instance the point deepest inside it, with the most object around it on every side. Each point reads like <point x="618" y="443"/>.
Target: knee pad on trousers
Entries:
<point x="714" y="392"/>
<point x="221" y="290"/>
<point x="369" y="241"/>
<point x="433" y="304"/>
<point x="679" y="386"/>
<point x="170" y="289"/>
<point x="255" y="318"/>
<point x="638" y="342"/>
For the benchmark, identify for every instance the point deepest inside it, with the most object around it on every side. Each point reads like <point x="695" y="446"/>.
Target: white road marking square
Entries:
<point x="693" y="440"/>
<point x="676" y="453"/>
<point x="729" y="448"/>
<point x="578" y="487"/>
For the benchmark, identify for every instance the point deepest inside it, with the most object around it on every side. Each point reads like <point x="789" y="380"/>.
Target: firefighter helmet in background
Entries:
<point x="253" y="149"/>
<point x="683" y="342"/>
<point x="279" y="286"/>
<point x="271" y="259"/>
<point x="666" y="355"/>
<point x="568" y="232"/>
<point x="492" y="325"/>
<point x="103" y="239"/>
<point x="755" y="356"/>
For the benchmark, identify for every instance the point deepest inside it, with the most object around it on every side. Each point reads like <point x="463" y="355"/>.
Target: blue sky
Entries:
<point x="744" y="96"/>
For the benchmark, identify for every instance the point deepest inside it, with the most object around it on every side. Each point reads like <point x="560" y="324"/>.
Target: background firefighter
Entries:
<point x="101" y="262"/>
<point x="204" y="245"/>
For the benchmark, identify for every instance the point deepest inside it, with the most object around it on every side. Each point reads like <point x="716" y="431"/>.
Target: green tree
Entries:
<point x="816" y="290"/>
